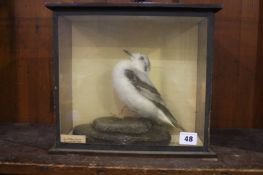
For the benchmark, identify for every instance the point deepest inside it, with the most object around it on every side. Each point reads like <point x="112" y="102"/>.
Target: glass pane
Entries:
<point x="90" y="47"/>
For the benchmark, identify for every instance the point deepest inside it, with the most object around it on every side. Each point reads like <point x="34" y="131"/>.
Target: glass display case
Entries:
<point x="133" y="78"/>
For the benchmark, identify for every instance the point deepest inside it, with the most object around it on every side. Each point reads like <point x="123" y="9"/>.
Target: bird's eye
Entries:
<point x="141" y="58"/>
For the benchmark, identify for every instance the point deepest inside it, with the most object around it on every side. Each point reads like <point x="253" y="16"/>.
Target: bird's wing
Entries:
<point x="144" y="85"/>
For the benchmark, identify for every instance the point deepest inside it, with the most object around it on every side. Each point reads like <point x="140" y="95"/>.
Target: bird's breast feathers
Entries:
<point x="127" y="91"/>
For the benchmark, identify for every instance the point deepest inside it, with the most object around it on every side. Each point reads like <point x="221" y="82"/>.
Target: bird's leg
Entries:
<point x="114" y="115"/>
<point x="123" y="110"/>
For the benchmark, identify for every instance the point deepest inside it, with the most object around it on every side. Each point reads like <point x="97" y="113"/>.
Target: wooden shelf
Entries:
<point x="24" y="150"/>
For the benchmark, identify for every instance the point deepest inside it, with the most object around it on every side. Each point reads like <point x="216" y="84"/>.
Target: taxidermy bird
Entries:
<point x="135" y="89"/>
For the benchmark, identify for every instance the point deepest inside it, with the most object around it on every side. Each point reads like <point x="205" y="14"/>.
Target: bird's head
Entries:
<point x="139" y="61"/>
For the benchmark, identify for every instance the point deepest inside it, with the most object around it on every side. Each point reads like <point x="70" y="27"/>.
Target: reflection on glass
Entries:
<point x="167" y="78"/>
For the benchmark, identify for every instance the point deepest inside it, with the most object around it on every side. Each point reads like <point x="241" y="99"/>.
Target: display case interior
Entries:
<point x="132" y="77"/>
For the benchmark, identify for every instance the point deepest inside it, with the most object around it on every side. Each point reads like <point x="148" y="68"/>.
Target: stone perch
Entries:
<point x="126" y="131"/>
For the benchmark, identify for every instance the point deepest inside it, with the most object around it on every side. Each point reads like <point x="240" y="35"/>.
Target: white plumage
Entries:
<point x="134" y="88"/>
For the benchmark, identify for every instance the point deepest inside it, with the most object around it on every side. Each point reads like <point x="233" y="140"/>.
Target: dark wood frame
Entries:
<point x="149" y="9"/>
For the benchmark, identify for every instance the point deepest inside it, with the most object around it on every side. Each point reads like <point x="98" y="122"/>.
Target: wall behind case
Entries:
<point x="235" y="65"/>
<point x="8" y="86"/>
<point x="26" y="79"/>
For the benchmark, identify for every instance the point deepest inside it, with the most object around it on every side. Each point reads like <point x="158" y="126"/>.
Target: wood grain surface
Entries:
<point x="235" y="58"/>
<point x="26" y="55"/>
<point x="258" y="116"/>
<point x="24" y="150"/>
<point x="8" y="86"/>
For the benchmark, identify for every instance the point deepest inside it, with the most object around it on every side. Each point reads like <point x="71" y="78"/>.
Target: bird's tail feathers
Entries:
<point x="168" y="116"/>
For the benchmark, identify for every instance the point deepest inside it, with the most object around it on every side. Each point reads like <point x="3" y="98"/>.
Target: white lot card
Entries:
<point x="65" y="138"/>
<point x="188" y="138"/>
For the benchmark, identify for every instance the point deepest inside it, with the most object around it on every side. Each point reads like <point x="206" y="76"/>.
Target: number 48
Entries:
<point x="188" y="138"/>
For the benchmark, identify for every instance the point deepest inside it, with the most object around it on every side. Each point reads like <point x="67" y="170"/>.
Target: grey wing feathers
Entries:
<point x="144" y="87"/>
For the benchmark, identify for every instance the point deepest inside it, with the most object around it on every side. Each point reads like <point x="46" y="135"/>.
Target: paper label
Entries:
<point x="65" y="138"/>
<point x="188" y="138"/>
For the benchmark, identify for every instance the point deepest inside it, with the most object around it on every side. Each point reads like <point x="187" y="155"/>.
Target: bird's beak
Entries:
<point x="128" y="52"/>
